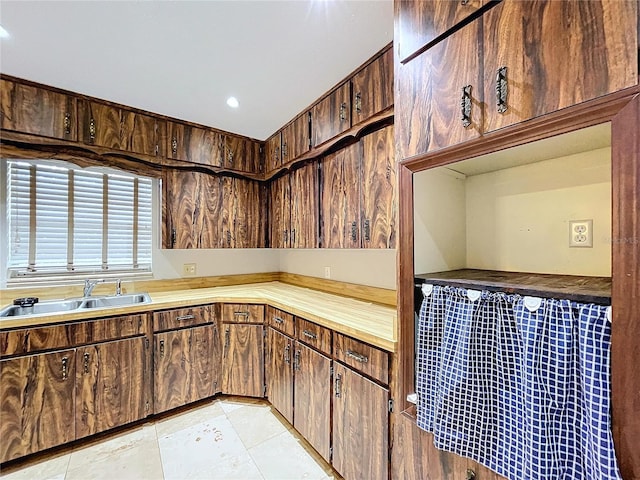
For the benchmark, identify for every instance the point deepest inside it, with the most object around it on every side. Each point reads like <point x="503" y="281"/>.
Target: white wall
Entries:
<point x="439" y="220"/>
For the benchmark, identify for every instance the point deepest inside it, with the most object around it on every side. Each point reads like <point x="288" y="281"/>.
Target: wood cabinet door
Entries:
<point x="561" y="54"/>
<point x="331" y="115"/>
<point x="249" y="222"/>
<point x="419" y="22"/>
<point x="372" y="88"/>
<point x="303" y="231"/>
<point x="101" y="125"/>
<point x="37" y="111"/>
<point x="430" y="90"/>
<point x="243" y="360"/>
<point x="312" y="398"/>
<point x="193" y="144"/>
<point x="273" y="152"/>
<point x="37" y="410"/>
<point x="143" y="134"/>
<point x="295" y="138"/>
<point x="360" y="425"/>
<point x="280" y="372"/>
<point x="111" y="380"/>
<point x="340" y="198"/>
<point x="185" y="369"/>
<point x="191" y="208"/>
<point x="240" y="154"/>
<point x="378" y="187"/>
<point x="279" y="212"/>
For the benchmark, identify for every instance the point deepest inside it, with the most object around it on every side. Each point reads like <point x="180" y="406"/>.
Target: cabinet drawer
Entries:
<point x="109" y="329"/>
<point x="242" y="313"/>
<point x="362" y="357"/>
<point x="314" y="335"/>
<point x="280" y="320"/>
<point x="183" y="317"/>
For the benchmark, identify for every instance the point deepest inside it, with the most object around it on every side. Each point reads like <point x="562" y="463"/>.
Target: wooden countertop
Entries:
<point x="369" y="322"/>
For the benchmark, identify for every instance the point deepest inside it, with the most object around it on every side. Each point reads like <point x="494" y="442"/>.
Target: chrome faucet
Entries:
<point x="89" y="285"/>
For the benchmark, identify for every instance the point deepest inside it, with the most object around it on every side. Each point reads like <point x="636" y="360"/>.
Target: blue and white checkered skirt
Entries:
<point x="523" y="390"/>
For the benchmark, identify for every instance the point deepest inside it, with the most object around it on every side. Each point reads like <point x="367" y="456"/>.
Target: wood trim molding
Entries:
<point x="378" y="295"/>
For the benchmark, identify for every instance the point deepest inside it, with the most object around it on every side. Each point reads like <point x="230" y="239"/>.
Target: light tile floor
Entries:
<point x="228" y="438"/>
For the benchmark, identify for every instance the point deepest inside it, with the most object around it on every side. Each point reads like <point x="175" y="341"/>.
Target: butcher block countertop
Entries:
<point x="365" y="321"/>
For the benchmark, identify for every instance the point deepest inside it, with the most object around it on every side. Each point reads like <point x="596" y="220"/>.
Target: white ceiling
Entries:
<point x="184" y="58"/>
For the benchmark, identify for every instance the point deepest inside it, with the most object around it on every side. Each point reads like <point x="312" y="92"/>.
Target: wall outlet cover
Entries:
<point x="189" y="269"/>
<point x="581" y="233"/>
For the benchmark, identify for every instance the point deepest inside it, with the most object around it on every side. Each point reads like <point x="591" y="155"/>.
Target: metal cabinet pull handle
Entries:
<point x="185" y="317"/>
<point x="471" y="475"/>
<point x="465" y="105"/>
<point x="276" y="154"/>
<point x="309" y="334"/>
<point x="86" y="362"/>
<point x="92" y="129"/>
<point x="241" y="314"/>
<point x="65" y="369"/>
<point x="338" y="385"/>
<point x="285" y="237"/>
<point x="296" y="360"/>
<point x="228" y="238"/>
<point x="284" y="150"/>
<point x="173" y="237"/>
<point x="287" y="355"/>
<point x="343" y="111"/>
<point x="161" y="348"/>
<point x="292" y="237"/>
<point x="278" y="320"/>
<point x="367" y="230"/>
<point x="230" y="157"/>
<point x="174" y="145"/>
<point x="358" y="102"/>
<point x="501" y="90"/>
<point x="358" y="357"/>
<point x="354" y="231"/>
<point x="227" y="340"/>
<point x="67" y="123"/>
<point x="464" y="2"/>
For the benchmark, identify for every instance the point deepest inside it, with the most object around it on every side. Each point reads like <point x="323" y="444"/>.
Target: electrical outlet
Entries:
<point x="581" y="233"/>
<point x="189" y="269"/>
<point x="327" y="272"/>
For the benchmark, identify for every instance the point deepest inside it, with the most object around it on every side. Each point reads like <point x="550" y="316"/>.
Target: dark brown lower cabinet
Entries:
<point x="111" y="382"/>
<point x="360" y="426"/>
<point x="312" y="398"/>
<point x="186" y="369"/>
<point x="243" y="360"/>
<point x="280" y="372"/>
<point x="37" y="410"/>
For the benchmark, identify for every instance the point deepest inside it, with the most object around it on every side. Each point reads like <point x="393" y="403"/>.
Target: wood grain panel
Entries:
<point x="37" y="111"/>
<point x="314" y="335"/>
<point x="193" y="144"/>
<point x="305" y="210"/>
<point x="31" y="340"/>
<point x="379" y="199"/>
<point x="184" y="317"/>
<point x="360" y="426"/>
<point x="100" y="124"/>
<point x="340" y="198"/>
<point x="226" y="211"/>
<point x="242" y="313"/>
<point x="243" y="360"/>
<point x="249" y="220"/>
<point x="142" y="133"/>
<point x="312" y="398"/>
<point x="331" y="115"/>
<point x="37" y="403"/>
<point x="273" y="152"/>
<point x="366" y="359"/>
<point x="184" y="366"/>
<point x="279" y="212"/>
<point x="563" y="53"/>
<point x="109" y="381"/>
<point x="372" y="88"/>
<point x="240" y="154"/>
<point x="625" y="327"/>
<point x="429" y="94"/>
<point x="280" y="373"/>
<point x="108" y="329"/>
<point x="419" y="22"/>
<point x="295" y="137"/>
<point x="280" y="320"/>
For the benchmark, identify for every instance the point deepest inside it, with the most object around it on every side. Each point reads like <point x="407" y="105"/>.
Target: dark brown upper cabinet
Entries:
<point x="194" y="144"/>
<point x="419" y="22"/>
<point x="562" y="54"/>
<point x="279" y="212"/>
<point x="332" y="115"/>
<point x="37" y="111"/>
<point x="372" y="88"/>
<point x="273" y="152"/>
<point x="240" y="154"/>
<point x="296" y="138"/>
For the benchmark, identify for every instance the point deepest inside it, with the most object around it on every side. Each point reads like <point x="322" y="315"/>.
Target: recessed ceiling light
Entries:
<point x="233" y="102"/>
<point x="3" y="33"/>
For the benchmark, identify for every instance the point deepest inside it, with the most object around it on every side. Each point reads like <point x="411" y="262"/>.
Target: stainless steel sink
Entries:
<point x="74" y="304"/>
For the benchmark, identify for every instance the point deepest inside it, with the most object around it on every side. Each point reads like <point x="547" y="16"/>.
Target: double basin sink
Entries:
<point x="75" y="304"/>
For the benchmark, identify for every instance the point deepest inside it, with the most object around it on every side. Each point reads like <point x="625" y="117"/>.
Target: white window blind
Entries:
<point x="68" y="220"/>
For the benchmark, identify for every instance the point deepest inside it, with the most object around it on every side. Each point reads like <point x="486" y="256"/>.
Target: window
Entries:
<point x="64" y="220"/>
